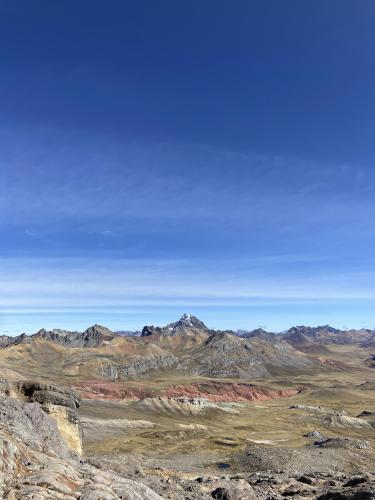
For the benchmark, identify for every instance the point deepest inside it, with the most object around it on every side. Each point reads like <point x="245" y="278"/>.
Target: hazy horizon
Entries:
<point x="118" y="320"/>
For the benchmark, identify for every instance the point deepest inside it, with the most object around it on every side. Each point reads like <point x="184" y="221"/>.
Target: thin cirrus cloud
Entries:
<point x="82" y="282"/>
<point x="64" y="179"/>
<point x="95" y="223"/>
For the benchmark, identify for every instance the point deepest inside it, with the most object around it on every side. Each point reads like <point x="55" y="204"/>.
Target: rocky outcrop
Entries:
<point x="149" y="330"/>
<point x="232" y="490"/>
<point x="138" y="366"/>
<point x="61" y="403"/>
<point x="317" y="485"/>
<point x="31" y="424"/>
<point x="36" y="461"/>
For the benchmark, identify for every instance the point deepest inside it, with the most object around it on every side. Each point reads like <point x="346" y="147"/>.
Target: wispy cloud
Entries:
<point x="166" y="225"/>
<point x="84" y="283"/>
<point x="276" y="292"/>
<point x="92" y="182"/>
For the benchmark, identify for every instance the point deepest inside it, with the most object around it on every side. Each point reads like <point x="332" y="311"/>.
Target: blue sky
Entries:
<point x="166" y="157"/>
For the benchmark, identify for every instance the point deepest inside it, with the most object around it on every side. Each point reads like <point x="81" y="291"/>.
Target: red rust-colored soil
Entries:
<point x="211" y="391"/>
<point x="228" y="392"/>
<point x="101" y="389"/>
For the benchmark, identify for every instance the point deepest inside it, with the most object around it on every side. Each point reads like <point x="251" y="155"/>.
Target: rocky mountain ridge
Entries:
<point x="314" y="339"/>
<point x="186" y="346"/>
<point x="93" y="336"/>
<point x="190" y="325"/>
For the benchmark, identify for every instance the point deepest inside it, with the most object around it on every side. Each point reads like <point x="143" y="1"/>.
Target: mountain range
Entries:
<point x="186" y="346"/>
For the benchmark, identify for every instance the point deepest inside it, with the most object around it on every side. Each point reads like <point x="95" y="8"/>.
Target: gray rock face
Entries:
<point x="30" y="424"/>
<point x="137" y="367"/>
<point x="226" y="355"/>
